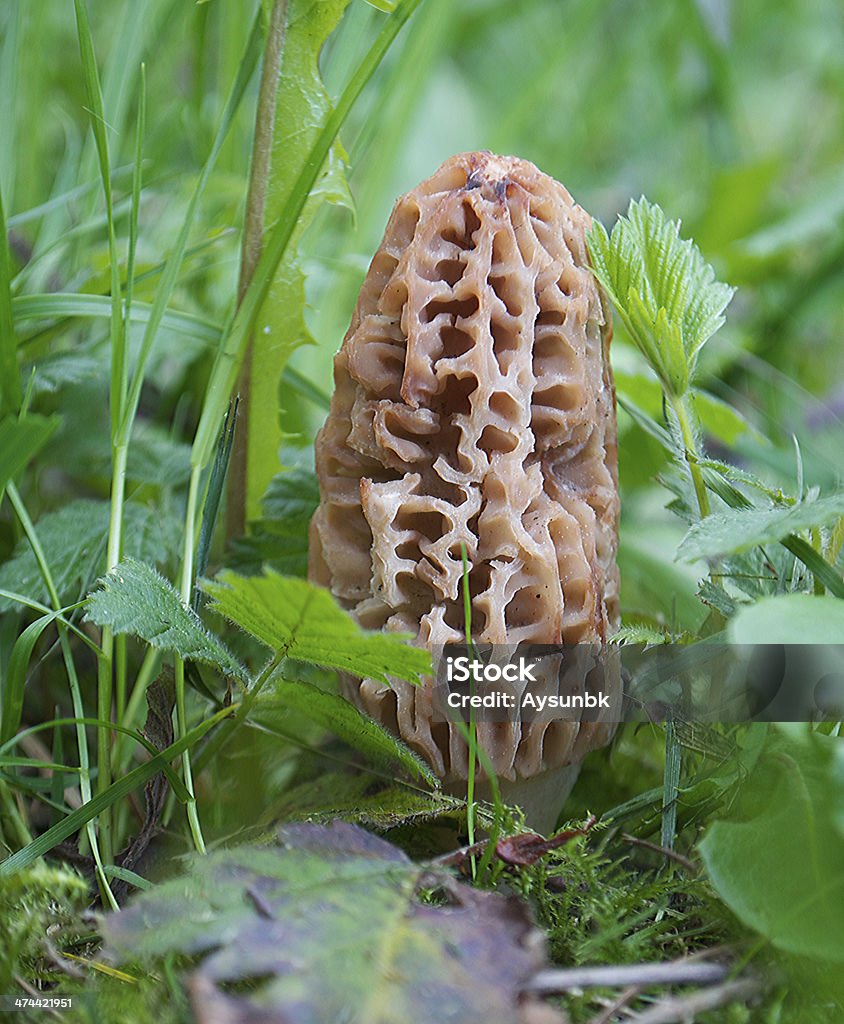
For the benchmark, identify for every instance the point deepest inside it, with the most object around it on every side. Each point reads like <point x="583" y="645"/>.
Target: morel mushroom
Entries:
<point x="474" y="406"/>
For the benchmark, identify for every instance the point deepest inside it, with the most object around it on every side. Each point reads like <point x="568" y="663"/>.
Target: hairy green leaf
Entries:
<point x="665" y="292"/>
<point x="279" y="540"/>
<point x="301" y="621"/>
<point x="74" y="542"/>
<point x="135" y="598"/>
<point x="741" y="529"/>
<point x="332" y="795"/>
<point x="327" y="918"/>
<point x="340" y="717"/>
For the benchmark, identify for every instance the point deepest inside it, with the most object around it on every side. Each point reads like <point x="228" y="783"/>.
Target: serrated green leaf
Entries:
<point x="340" y="717"/>
<point x="739" y="530"/>
<point x="302" y="107"/>
<point x="135" y="598"/>
<point x="664" y="291"/>
<point x="279" y="540"/>
<point x="325" y="925"/>
<point x="637" y="633"/>
<point x="74" y="541"/>
<point x="301" y="621"/>
<point x="291" y="500"/>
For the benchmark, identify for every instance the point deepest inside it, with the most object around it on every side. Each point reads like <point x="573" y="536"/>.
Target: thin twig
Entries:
<point x="676" y="972"/>
<point x="684" y="862"/>
<point x="607" y="1014"/>
<point x="678" y="1011"/>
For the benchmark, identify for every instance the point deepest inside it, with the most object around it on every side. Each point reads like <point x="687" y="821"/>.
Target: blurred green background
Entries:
<point x="727" y="114"/>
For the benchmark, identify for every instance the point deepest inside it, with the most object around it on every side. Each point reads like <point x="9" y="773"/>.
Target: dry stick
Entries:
<point x="676" y="972"/>
<point x="253" y="239"/>
<point x="607" y="1014"/>
<point x="677" y="1011"/>
<point x="678" y="858"/>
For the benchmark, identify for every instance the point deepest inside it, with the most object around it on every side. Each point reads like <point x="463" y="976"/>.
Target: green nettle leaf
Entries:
<point x="328" y="922"/>
<point x="135" y="598"/>
<point x="779" y="864"/>
<point x="301" y="621"/>
<point x="789" y="619"/>
<point x="74" y="541"/>
<point x="739" y="530"/>
<point x="279" y="540"/>
<point x="663" y="289"/>
<point x="339" y="717"/>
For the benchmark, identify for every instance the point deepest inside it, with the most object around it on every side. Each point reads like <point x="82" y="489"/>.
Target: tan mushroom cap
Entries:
<point x="474" y="405"/>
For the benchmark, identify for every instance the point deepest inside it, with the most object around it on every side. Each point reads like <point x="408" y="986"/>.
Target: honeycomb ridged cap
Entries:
<point x="474" y="407"/>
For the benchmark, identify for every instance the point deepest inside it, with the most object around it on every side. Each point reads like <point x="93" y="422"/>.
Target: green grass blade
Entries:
<point x="19" y="441"/>
<point x="671" y="786"/>
<point x="816" y="564"/>
<point x="174" y="261"/>
<point x="10" y="54"/>
<point x="94" y="94"/>
<point x="15" y="681"/>
<point x="236" y="338"/>
<point x="116" y="791"/>
<point x="10" y="380"/>
<point x="136" y="194"/>
<point x="216" y="486"/>
<point x="61" y="305"/>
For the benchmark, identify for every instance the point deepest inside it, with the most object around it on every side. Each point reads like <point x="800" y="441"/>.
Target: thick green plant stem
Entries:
<point x="253" y="237"/>
<point x="236" y="336"/>
<point x="688" y="429"/>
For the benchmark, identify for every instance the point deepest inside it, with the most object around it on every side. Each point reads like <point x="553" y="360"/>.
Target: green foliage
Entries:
<point x="789" y="619"/>
<point x="329" y="919"/>
<point x="663" y="289"/>
<point x="136" y="599"/>
<point x="735" y="531"/>
<point x="112" y="196"/>
<point x="279" y="539"/>
<point x="777" y="862"/>
<point x="302" y="106"/>
<point x="20" y="440"/>
<point x="73" y="539"/>
<point x="298" y="620"/>
<point x="282" y="698"/>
